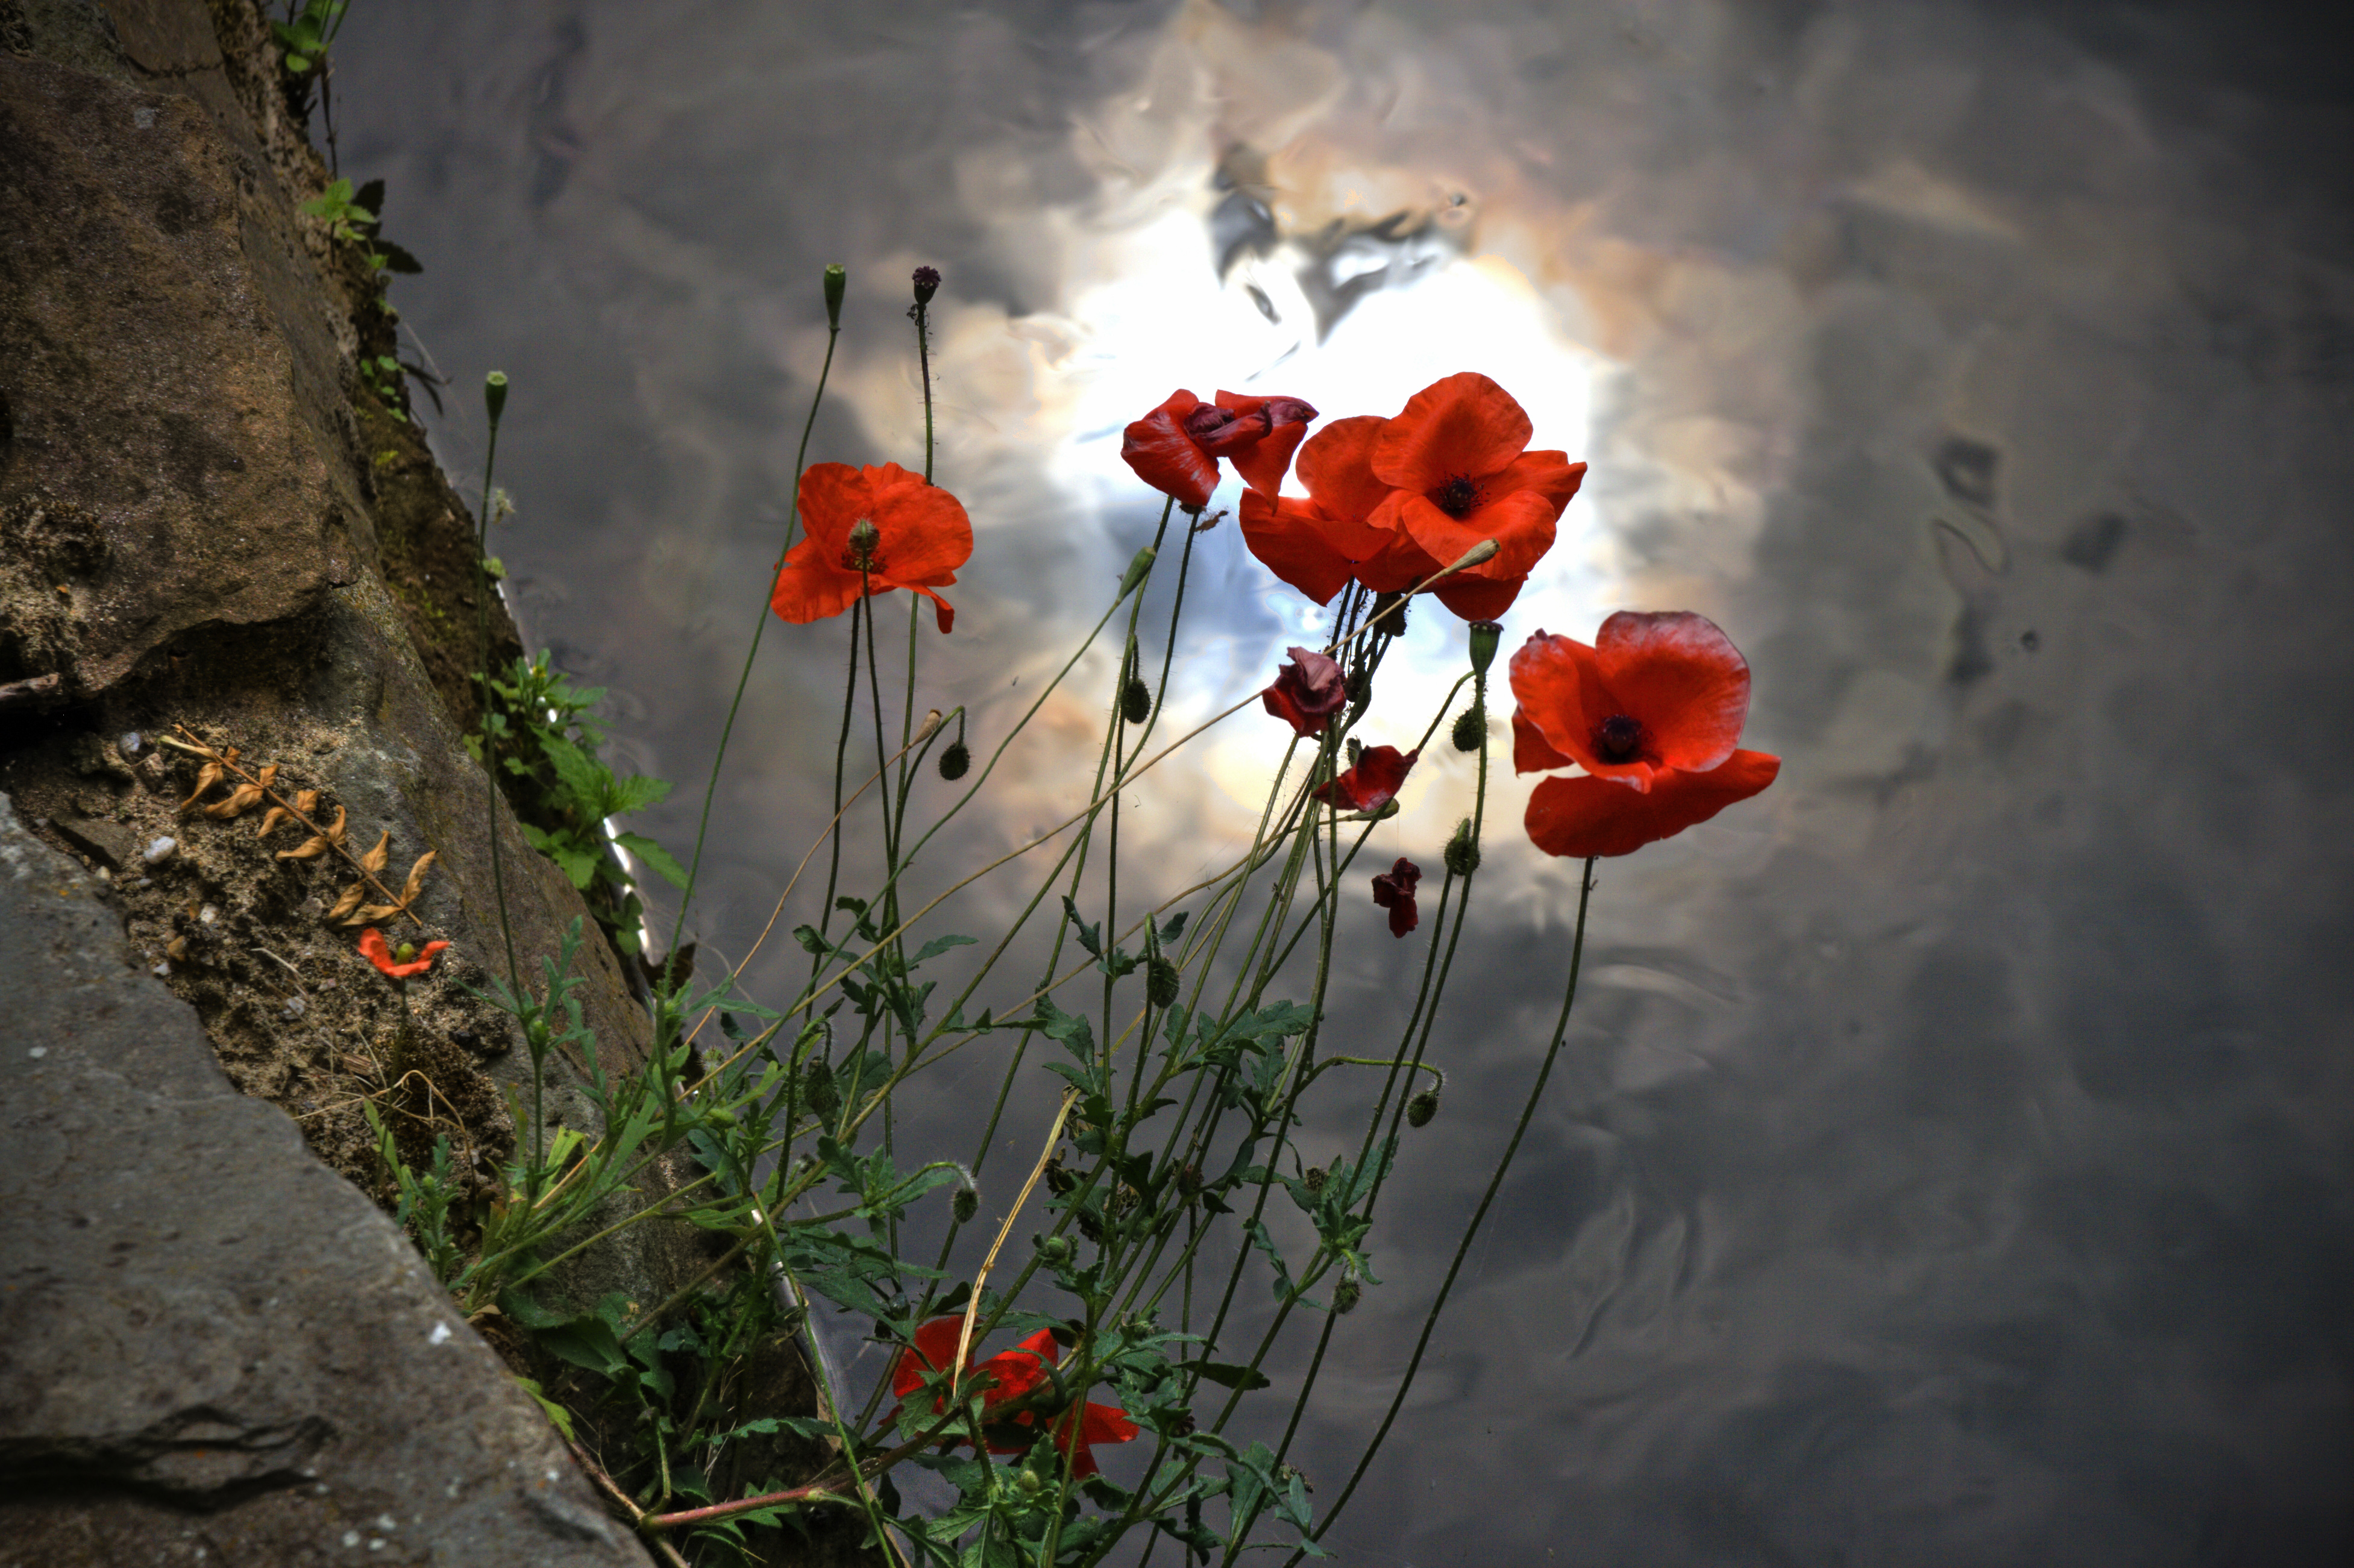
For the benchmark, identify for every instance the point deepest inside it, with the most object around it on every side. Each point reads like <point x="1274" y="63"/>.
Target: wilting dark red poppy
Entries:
<point x="1263" y="462"/>
<point x="1460" y="471"/>
<point x="1175" y="448"/>
<point x="1307" y="691"/>
<point x="1652" y="712"/>
<point x="917" y="536"/>
<point x="1372" y="782"/>
<point x="1394" y="891"/>
<point x="1010" y="1375"/>
<point x="378" y="952"/>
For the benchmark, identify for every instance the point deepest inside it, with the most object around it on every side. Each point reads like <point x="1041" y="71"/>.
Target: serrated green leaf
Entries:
<point x="654" y="857"/>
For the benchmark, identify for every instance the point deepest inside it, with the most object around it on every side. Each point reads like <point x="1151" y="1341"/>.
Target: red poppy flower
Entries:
<point x="1175" y="448"/>
<point x="1372" y="782"/>
<point x="1010" y="1375"/>
<point x="378" y="952"/>
<point x="1460" y="471"/>
<point x="1652" y="712"/>
<point x="1394" y="891"/>
<point x="916" y="536"/>
<point x="1352" y="523"/>
<point x="1307" y="691"/>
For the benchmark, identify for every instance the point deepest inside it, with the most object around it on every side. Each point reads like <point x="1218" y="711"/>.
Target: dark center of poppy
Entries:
<point x="1618" y="739"/>
<point x="1458" y="497"/>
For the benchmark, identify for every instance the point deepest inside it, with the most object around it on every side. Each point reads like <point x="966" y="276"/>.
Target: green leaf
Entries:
<point x="936" y="946"/>
<point x="656" y="858"/>
<point x="634" y="793"/>
<point x="1227" y="1375"/>
<point x="587" y="1342"/>
<point x="580" y="780"/>
<point x="580" y="864"/>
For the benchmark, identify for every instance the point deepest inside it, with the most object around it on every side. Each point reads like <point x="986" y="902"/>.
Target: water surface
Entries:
<point x="1951" y="1161"/>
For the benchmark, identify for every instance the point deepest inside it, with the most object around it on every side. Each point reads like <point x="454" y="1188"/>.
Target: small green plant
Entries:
<point x="350" y="219"/>
<point x="548" y="743"/>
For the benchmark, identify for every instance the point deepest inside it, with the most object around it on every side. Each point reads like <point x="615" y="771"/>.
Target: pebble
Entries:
<point x="293" y="1009"/>
<point x="208" y="914"/>
<point x="130" y="743"/>
<point x="160" y="851"/>
<point x="162" y="969"/>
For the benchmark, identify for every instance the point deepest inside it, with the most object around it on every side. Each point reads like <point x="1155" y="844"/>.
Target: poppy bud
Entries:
<point x="1136" y="702"/>
<point x="837" y="279"/>
<point x="1189" y="1181"/>
<point x="927" y="284"/>
<point x="1471" y="727"/>
<point x="818" y="1088"/>
<point x="494" y="394"/>
<point x="1463" y="850"/>
<point x="1313" y="1178"/>
<point x="1028" y="1483"/>
<point x="1138" y="566"/>
<point x="955" y="760"/>
<point x="1422" y="1108"/>
<point x="1345" y="1294"/>
<point x="965" y="1204"/>
<point x="1053" y="1251"/>
<point x="1361" y="687"/>
<point x="1485" y="635"/>
<point x="1160" y="982"/>
<point x="1389" y="614"/>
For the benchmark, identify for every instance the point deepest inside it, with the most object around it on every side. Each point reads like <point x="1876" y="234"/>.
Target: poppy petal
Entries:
<point x="1530" y="752"/>
<point x="832" y="497"/>
<point x="1289" y="536"/>
<point x="926" y="535"/>
<point x="1337" y="468"/>
<point x="1520" y="522"/>
<point x="1263" y="464"/>
<point x="1477" y="598"/>
<point x="1372" y="782"/>
<point x="1399" y="565"/>
<point x="1588" y="816"/>
<point x="934" y="1351"/>
<point x="812" y="587"/>
<point x="1558" y="682"/>
<point x="1682" y="678"/>
<point x="1168" y="459"/>
<point x="1463" y="425"/>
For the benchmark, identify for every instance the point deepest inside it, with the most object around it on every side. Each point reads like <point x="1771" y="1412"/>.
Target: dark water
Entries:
<point x="1952" y="1161"/>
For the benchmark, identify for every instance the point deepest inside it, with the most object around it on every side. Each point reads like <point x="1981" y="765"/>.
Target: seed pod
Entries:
<point x="927" y="284"/>
<point x="1484" y="637"/>
<point x="818" y="1088"/>
<point x="1463" y="850"/>
<point x="837" y="280"/>
<point x="1345" y="1294"/>
<point x="955" y="760"/>
<point x="1028" y="1483"/>
<point x="1054" y="1250"/>
<point x="965" y="1204"/>
<point x="1136" y="702"/>
<point x="1470" y="728"/>
<point x="1160" y="982"/>
<point x="1422" y="1108"/>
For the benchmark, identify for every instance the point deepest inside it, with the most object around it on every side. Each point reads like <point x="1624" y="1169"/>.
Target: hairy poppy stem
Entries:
<point x="1463" y="1248"/>
<point x="833" y="283"/>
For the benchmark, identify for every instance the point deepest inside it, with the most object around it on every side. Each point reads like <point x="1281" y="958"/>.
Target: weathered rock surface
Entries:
<point x="212" y="526"/>
<point x="207" y="1338"/>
